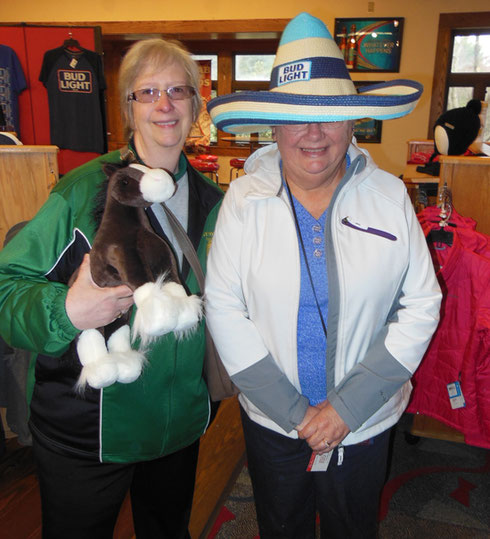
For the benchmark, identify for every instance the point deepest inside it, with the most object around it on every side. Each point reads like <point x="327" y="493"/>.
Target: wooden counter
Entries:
<point x="468" y="179"/>
<point x="428" y="427"/>
<point x="412" y="177"/>
<point x="27" y="175"/>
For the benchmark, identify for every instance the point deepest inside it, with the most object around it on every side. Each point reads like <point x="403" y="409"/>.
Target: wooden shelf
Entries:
<point x="468" y="179"/>
<point x="428" y="427"/>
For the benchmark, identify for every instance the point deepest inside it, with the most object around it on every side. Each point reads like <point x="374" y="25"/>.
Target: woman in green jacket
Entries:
<point x="91" y="448"/>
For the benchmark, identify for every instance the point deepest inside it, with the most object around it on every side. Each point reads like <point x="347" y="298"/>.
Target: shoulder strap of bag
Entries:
<point x="186" y="246"/>
<point x="217" y="379"/>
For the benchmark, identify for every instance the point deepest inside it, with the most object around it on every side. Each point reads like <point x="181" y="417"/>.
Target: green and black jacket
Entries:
<point x="167" y="408"/>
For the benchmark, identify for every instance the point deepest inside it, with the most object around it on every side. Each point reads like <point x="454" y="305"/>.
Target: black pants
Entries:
<point x="81" y="498"/>
<point x="287" y="497"/>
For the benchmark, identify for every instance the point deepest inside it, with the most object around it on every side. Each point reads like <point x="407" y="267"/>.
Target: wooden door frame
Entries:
<point x="447" y="23"/>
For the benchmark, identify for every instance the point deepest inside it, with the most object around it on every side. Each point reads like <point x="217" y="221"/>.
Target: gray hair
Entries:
<point x="154" y="54"/>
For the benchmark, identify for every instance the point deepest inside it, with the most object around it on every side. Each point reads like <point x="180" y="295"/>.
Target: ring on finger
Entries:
<point x="327" y="443"/>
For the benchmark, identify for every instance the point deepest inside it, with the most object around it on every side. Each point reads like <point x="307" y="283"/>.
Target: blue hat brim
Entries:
<point x="247" y="112"/>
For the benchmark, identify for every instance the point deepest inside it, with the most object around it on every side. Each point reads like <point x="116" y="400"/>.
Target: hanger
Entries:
<point x="442" y="235"/>
<point x="72" y="44"/>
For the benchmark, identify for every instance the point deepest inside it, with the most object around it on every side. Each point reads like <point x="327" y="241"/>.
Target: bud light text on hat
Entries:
<point x="294" y="72"/>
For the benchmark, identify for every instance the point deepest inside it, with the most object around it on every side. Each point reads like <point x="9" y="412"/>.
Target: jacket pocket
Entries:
<point x="369" y="230"/>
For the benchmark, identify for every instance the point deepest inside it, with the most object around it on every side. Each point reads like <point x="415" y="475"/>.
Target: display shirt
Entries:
<point x="12" y="82"/>
<point x="75" y="84"/>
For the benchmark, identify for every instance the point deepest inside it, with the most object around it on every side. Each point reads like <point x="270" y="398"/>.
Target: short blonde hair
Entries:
<point x="154" y="54"/>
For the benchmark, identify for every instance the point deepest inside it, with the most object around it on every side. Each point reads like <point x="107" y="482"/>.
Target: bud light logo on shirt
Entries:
<point x="297" y="71"/>
<point x="74" y="81"/>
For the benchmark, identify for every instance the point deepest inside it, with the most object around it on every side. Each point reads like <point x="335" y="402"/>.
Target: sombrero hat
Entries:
<point x="310" y="83"/>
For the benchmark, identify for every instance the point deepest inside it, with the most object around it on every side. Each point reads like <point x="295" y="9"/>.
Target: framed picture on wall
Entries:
<point x="367" y="130"/>
<point x="373" y="44"/>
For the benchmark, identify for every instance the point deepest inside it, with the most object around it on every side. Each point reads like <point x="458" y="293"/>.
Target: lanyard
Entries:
<point x="305" y="257"/>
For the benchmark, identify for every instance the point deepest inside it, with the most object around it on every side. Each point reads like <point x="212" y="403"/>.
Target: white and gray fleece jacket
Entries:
<point x="383" y="296"/>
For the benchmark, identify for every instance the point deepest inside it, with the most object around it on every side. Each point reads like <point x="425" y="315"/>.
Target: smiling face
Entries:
<point x="313" y="156"/>
<point x="160" y="128"/>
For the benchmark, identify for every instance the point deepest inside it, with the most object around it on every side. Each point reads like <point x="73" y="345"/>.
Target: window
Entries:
<point x="462" y="69"/>
<point x="253" y="67"/>
<point x="469" y="75"/>
<point x="236" y="66"/>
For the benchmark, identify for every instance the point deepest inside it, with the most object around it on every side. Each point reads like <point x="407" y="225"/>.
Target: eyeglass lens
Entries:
<point x="150" y="95"/>
<point x="324" y="126"/>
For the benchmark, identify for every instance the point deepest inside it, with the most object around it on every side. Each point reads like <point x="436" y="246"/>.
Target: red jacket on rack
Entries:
<point x="460" y="348"/>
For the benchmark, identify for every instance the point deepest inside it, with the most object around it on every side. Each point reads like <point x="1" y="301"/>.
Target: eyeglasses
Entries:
<point x="324" y="126"/>
<point x="150" y="95"/>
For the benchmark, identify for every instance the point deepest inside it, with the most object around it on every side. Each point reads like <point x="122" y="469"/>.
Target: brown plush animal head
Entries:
<point x="126" y="250"/>
<point x="138" y="186"/>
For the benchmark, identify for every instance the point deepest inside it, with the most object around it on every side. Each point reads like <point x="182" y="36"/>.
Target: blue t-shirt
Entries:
<point x="12" y="82"/>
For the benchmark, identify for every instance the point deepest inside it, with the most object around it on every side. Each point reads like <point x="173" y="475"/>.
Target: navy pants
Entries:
<point x="81" y="498"/>
<point x="287" y="497"/>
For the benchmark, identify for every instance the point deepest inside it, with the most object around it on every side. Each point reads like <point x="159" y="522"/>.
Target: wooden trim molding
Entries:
<point x="447" y="23"/>
<point x="204" y="29"/>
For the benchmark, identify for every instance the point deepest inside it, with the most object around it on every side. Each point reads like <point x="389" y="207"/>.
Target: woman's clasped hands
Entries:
<point x="322" y="428"/>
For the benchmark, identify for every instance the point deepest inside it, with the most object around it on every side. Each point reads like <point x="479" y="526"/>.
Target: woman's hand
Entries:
<point x="324" y="426"/>
<point x="90" y="306"/>
<point x="310" y="414"/>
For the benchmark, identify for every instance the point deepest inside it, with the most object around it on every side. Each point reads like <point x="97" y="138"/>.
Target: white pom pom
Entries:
<point x="163" y="308"/>
<point x="190" y="313"/>
<point x="156" y="315"/>
<point x="120" y="340"/>
<point x="129" y="365"/>
<point x="100" y="374"/>
<point x="156" y="185"/>
<point x="99" y="370"/>
<point x="189" y="308"/>
<point x="91" y="346"/>
<point x="129" y="362"/>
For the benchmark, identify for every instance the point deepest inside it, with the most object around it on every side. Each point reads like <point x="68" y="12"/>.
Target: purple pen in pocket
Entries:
<point x="368" y="229"/>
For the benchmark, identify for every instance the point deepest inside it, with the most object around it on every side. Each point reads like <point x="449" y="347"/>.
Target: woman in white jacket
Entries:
<point x="321" y="295"/>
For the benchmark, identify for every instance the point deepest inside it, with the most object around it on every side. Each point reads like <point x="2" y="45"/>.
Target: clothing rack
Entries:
<point x="443" y="235"/>
<point x="464" y="189"/>
<point x="446" y="204"/>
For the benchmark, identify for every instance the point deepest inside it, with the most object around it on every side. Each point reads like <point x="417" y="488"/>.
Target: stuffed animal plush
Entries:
<point x="456" y="129"/>
<point x="126" y="250"/>
<point x="454" y="132"/>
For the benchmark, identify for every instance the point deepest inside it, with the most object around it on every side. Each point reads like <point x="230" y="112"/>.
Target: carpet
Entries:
<point x="435" y="489"/>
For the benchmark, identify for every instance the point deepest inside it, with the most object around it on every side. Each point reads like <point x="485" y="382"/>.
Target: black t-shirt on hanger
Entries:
<point x="75" y="84"/>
